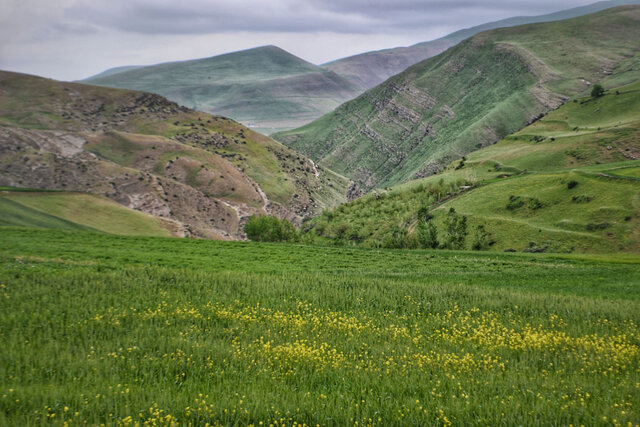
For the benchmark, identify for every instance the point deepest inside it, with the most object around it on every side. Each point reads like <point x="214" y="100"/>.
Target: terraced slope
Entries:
<point x="369" y="69"/>
<point x="568" y="182"/>
<point x="470" y="96"/>
<point x="204" y="173"/>
<point x="266" y="87"/>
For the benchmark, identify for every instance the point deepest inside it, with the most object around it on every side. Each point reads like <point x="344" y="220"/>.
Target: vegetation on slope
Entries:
<point x="265" y="87"/>
<point x="77" y="211"/>
<point x="119" y="330"/>
<point x="470" y="96"/>
<point x="568" y="182"/>
<point x="209" y="173"/>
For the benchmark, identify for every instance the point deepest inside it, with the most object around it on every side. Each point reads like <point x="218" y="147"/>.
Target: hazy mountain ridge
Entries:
<point x="205" y="174"/>
<point x="470" y="96"/>
<point x="369" y="69"/>
<point x="265" y="87"/>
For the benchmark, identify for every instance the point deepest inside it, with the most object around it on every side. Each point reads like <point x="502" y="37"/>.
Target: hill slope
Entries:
<point x="265" y="87"/>
<point x="206" y="174"/>
<point x="470" y="96"/>
<point x="568" y="182"/>
<point x="369" y="69"/>
<point x="77" y="211"/>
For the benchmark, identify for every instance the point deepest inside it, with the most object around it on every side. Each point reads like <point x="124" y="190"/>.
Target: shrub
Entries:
<point x="270" y="229"/>
<point x="456" y="230"/>
<point x="427" y="235"/>
<point x="482" y="239"/>
<point x="597" y="90"/>
<point x="572" y="184"/>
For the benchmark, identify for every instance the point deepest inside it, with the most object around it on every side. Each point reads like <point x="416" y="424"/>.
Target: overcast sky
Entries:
<point x="73" y="39"/>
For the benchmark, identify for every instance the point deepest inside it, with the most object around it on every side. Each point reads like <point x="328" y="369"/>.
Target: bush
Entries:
<point x="597" y="90"/>
<point x="456" y="229"/>
<point x="482" y="239"/>
<point x="427" y="235"/>
<point x="572" y="184"/>
<point x="270" y="229"/>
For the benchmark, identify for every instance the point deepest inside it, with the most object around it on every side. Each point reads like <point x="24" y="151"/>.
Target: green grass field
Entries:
<point x="151" y="331"/>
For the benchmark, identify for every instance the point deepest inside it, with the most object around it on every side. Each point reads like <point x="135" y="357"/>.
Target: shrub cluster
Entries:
<point x="270" y="229"/>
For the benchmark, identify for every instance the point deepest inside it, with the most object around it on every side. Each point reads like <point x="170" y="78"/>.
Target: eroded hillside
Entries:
<point x="205" y="173"/>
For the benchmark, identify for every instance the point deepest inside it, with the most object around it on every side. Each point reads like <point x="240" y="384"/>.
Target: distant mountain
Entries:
<point x="115" y="70"/>
<point x="372" y="68"/>
<point x="266" y="88"/>
<point x="470" y="96"/>
<point x="198" y="175"/>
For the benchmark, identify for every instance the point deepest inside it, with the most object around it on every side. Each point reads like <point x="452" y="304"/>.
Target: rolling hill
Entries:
<point x="77" y="211"/>
<point x="203" y="174"/>
<point x="265" y="87"/>
<point x="369" y="69"/>
<point x="470" y="96"/>
<point x="568" y="182"/>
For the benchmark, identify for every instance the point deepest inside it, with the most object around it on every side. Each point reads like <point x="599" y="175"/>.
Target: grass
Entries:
<point x="76" y="211"/>
<point x="590" y="141"/>
<point x="119" y="330"/>
<point x="470" y="96"/>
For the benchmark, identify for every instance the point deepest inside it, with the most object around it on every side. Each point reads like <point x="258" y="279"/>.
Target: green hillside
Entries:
<point x="76" y="211"/>
<point x="206" y="173"/>
<point x="568" y="182"/>
<point x="470" y="96"/>
<point x="265" y="87"/>
<point x="369" y="69"/>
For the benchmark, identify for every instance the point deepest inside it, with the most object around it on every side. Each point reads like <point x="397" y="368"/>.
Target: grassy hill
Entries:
<point x="568" y="182"/>
<point x="266" y="87"/>
<point x="206" y="173"/>
<point x="470" y="96"/>
<point x="101" y="329"/>
<point x="369" y="69"/>
<point x="77" y="211"/>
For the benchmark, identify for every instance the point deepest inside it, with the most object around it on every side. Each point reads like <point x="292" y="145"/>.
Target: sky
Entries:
<point x="74" y="39"/>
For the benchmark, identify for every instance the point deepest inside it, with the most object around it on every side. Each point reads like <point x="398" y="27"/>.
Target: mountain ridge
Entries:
<point x="265" y="87"/>
<point x="470" y="96"/>
<point x="369" y="69"/>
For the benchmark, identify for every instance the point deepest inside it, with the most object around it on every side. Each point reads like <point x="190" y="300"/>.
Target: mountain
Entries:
<point x="470" y="96"/>
<point x="369" y="69"/>
<point x="199" y="175"/>
<point x="568" y="182"/>
<point x="115" y="70"/>
<point x="266" y="87"/>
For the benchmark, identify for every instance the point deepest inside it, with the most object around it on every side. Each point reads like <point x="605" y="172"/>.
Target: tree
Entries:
<point x="597" y="90"/>
<point x="427" y="235"/>
<point x="456" y="230"/>
<point x="482" y="239"/>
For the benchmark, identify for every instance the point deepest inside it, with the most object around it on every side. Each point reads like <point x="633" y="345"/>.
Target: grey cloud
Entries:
<point x="340" y="16"/>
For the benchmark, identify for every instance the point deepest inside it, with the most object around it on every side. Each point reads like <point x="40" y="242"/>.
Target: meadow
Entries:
<point x="115" y="330"/>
